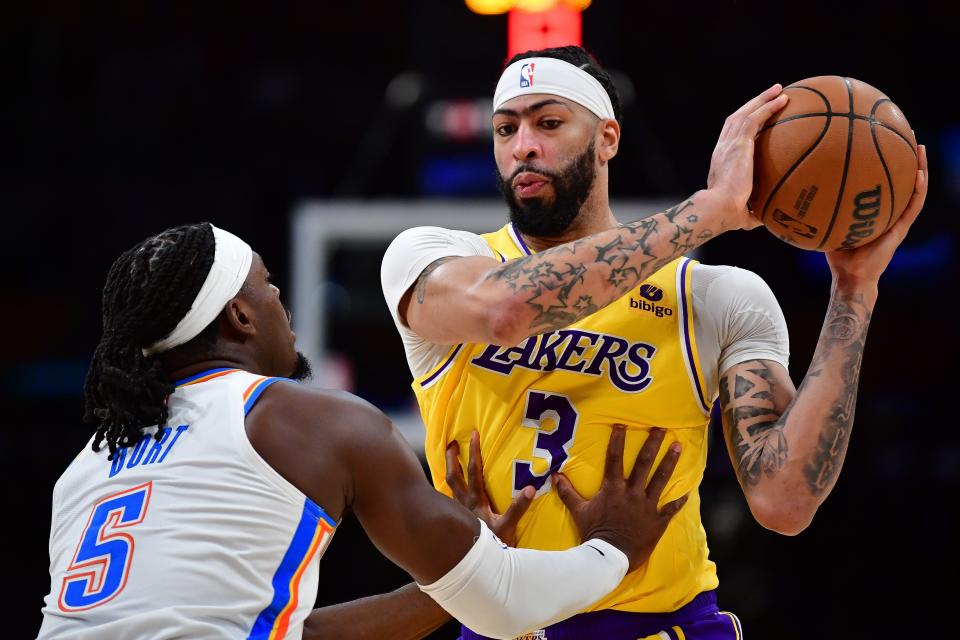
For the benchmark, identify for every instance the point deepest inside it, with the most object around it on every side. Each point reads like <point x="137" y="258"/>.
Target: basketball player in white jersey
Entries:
<point x="566" y="310"/>
<point x="203" y="502"/>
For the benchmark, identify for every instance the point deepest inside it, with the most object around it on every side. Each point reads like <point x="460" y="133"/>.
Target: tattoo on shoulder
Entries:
<point x="421" y="288"/>
<point x="758" y="444"/>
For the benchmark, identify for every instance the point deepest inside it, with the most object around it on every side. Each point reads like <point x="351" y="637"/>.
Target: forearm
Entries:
<point x="500" y="592"/>
<point x="404" y="614"/>
<point x="788" y="464"/>
<point x="820" y="418"/>
<point x="557" y="287"/>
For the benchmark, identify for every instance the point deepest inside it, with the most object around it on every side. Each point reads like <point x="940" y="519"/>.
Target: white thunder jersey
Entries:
<point x="190" y="536"/>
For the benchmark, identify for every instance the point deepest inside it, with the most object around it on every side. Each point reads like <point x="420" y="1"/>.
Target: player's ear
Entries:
<point x="237" y="318"/>
<point x="608" y="140"/>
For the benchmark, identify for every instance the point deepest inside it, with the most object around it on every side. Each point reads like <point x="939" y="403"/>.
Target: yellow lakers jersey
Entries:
<point x="549" y="403"/>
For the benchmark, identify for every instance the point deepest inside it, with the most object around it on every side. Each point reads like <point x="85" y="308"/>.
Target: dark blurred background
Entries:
<point x="122" y="119"/>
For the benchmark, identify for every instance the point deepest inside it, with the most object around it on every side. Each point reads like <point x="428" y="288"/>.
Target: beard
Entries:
<point x="571" y="186"/>
<point x="302" y="371"/>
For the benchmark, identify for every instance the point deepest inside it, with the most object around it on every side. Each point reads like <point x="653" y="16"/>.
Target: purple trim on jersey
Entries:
<point x="503" y="258"/>
<point x="736" y="624"/>
<point x="523" y="245"/>
<point x="699" y="620"/>
<point x="687" y="322"/>
<point x="436" y="374"/>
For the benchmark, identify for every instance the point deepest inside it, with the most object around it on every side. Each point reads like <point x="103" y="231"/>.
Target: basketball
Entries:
<point x="835" y="167"/>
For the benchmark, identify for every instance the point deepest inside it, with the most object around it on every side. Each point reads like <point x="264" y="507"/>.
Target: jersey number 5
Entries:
<point x="553" y="445"/>
<point x="101" y="563"/>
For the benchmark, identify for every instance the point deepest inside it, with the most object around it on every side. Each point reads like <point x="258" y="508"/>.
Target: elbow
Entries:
<point x="782" y="517"/>
<point x="504" y="324"/>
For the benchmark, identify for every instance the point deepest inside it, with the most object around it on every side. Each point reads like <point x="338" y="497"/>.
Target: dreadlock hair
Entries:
<point x="579" y="57"/>
<point x="149" y="289"/>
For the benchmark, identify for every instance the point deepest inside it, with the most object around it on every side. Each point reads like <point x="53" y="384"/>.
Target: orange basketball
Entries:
<point x="835" y="167"/>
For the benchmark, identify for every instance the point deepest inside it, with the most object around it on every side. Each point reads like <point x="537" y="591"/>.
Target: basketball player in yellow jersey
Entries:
<point x="546" y="333"/>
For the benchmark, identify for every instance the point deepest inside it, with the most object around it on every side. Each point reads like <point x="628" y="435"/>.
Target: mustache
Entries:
<point x="532" y="169"/>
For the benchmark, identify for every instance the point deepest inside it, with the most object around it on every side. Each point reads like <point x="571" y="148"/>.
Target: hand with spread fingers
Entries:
<point x="472" y="492"/>
<point x="731" y="166"/>
<point x="624" y="511"/>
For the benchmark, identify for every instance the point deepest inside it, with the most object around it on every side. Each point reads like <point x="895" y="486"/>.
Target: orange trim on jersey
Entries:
<point x="283" y="618"/>
<point x="209" y="376"/>
<point x="253" y="387"/>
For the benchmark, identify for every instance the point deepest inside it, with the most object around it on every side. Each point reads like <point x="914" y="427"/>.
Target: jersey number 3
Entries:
<point x="101" y="563"/>
<point x="553" y="445"/>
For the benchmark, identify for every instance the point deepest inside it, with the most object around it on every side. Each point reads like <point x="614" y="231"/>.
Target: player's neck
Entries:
<point x="227" y="362"/>
<point x="595" y="216"/>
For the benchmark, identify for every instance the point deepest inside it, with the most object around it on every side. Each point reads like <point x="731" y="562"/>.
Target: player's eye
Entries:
<point x="550" y="123"/>
<point x="504" y="129"/>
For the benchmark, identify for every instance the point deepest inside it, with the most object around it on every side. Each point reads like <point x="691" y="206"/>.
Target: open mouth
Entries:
<point x="529" y="184"/>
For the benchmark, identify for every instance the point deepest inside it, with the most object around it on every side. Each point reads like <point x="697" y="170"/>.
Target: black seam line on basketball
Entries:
<point x="776" y="188"/>
<point x="855" y="116"/>
<point x="876" y="144"/>
<point x="901" y="136"/>
<point x="783" y="178"/>
<point x="846" y="165"/>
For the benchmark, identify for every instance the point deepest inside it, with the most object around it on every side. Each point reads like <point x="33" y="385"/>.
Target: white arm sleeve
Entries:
<point x="736" y="319"/>
<point x="414" y="250"/>
<point x="405" y="259"/>
<point x="502" y="592"/>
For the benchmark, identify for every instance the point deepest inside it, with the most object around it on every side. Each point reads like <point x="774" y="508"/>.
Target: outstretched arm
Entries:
<point x="787" y="445"/>
<point x="408" y="613"/>
<point x="488" y="586"/>
<point x="477" y="299"/>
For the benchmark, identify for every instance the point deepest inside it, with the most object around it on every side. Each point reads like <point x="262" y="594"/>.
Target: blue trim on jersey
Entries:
<point x="202" y="374"/>
<point x="318" y="512"/>
<point x="687" y="323"/>
<point x="292" y="559"/>
<point x="252" y="400"/>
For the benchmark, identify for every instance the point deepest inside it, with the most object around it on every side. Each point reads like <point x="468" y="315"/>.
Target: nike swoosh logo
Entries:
<point x="597" y="550"/>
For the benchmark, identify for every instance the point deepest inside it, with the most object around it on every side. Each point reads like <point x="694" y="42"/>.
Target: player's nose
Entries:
<point x="526" y="144"/>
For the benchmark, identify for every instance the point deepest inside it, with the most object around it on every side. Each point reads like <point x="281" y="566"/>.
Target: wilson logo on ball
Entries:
<point x="847" y="139"/>
<point x="866" y="208"/>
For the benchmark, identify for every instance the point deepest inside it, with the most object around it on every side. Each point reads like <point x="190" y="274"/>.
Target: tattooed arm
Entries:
<point x="788" y="446"/>
<point x="477" y="299"/>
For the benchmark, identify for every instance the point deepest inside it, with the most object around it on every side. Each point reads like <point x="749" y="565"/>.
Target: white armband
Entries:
<point x="502" y="592"/>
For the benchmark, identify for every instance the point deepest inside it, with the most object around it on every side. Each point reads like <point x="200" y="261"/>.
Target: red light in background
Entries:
<point x="557" y="27"/>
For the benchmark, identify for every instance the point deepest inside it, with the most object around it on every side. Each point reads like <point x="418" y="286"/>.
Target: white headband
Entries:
<point x="231" y="264"/>
<point x="555" y="77"/>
